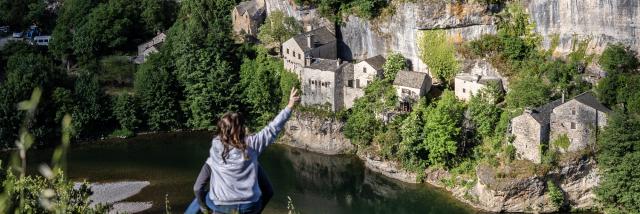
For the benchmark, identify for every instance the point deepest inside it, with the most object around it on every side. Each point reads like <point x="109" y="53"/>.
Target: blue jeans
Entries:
<point x="250" y="208"/>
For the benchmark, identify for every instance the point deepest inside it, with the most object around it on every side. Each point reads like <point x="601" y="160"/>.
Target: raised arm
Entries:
<point x="268" y="134"/>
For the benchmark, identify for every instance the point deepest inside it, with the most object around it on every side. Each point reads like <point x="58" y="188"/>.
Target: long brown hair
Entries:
<point x="232" y="132"/>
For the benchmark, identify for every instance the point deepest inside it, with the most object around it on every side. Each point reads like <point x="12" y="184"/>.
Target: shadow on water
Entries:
<point x="316" y="183"/>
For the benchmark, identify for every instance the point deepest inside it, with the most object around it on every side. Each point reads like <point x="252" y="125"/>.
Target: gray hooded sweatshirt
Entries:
<point x="236" y="182"/>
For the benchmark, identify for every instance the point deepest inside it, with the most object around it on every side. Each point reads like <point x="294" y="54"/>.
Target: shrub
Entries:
<point x="439" y="54"/>
<point x="618" y="58"/>
<point x="126" y="111"/>
<point x="555" y="194"/>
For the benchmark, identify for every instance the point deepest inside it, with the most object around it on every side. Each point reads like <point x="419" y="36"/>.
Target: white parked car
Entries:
<point x="17" y="35"/>
<point x="41" y="40"/>
<point x="4" y="29"/>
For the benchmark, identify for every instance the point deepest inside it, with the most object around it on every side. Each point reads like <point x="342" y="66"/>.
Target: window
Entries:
<point x="294" y="53"/>
<point x="464" y="90"/>
<point x="573" y="125"/>
<point x="364" y="69"/>
<point x="357" y="83"/>
<point x="350" y="83"/>
<point x="299" y="56"/>
<point x="287" y="50"/>
<point x="573" y="112"/>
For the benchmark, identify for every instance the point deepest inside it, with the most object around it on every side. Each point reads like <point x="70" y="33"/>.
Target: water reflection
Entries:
<point x="316" y="183"/>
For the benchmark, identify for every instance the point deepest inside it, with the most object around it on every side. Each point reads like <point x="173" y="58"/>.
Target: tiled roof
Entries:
<point x="484" y="80"/>
<point x="376" y="62"/>
<point x="542" y="114"/>
<point x="319" y="37"/>
<point x="590" y="100"/>
<point x="324" y="65"/>
<point x="249" y="7"/>
<point x="347" y="71"/>
<point x="410" y="79"/>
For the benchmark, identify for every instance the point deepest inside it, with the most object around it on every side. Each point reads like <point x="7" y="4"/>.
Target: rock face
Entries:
<point x="577" y="179"/>
<point x="400" y="32"/>
<point x="601" y="21"/>
<point x="317" y="134"/>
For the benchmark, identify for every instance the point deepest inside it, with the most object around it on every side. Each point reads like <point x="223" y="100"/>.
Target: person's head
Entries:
<point x="232" y="131"/>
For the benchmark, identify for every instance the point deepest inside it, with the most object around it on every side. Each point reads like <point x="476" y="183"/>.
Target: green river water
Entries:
<point x="316" y="183"/>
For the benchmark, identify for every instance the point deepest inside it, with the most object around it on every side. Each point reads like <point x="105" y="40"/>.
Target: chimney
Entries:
<point x="338" y="62"/>
<point x="562" y="96"/>
<point x="309" y="41"/>
<point x="307" y="61"/>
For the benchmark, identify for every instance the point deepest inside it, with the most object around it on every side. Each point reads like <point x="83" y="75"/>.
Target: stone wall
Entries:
<point x="323" y="92"/>
<point x="578" y="121"/>
<point x="528" y="137"/>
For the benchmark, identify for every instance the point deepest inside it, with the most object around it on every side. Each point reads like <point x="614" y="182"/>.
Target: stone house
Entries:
<point x="247" y="17"/>
<point x="410" y="86"/>
<point x="531" y="130"/>
<point x="322" y="85"/>
<point x="359" y="75"/>
<point x="149" y="47"/>
<point x="466" y="85"/>
<point x="579" y="119"/>
<point x="318" y="43"/>
<point x="576" y="118"/>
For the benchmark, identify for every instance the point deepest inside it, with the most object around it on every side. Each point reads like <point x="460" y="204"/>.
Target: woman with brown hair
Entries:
<point x="232" y="170"/>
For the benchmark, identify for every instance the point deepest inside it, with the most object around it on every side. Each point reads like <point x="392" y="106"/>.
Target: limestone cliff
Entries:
<point x="600" y="21"/>
<point x="317" y="134"/>
<point x="400" y="32"/>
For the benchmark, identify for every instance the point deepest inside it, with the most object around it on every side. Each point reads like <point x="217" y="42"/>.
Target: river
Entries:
<point x="316" y="183"/>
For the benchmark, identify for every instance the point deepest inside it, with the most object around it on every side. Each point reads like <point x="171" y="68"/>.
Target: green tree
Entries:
<point x="395" y="62"/>
<point x="108" y="27"/>
<point x="484" y="114"/>
<point x="157" y="90"/>
<point x="71" y="15"/>
<point x="158" y="15"/>
<point x="277" y="28"/>
<point x="21" y="14"/>
<point x="442" y="129"/>
<point x="617" y="58"/>
<point x="26" y="71"/>
<point x="210" y="87"/>
<point x="362" y="125"/>
<point x="92" y="106"/>
<point x="411" y="152"/>
<point x="126" y="111"/>
<point x="439" y="54"/>
<point x="619" y="153"/>
<point x="260" y="80"/>
<point x="555" y="194"/>
<point x="527" y="92"/>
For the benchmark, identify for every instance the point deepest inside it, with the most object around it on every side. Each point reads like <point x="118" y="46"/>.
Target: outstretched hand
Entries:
<point x="293" y="98"/>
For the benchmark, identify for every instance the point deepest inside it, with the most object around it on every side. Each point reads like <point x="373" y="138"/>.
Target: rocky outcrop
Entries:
<point x="577" y="179"/>
<point x="317" y="134"/>
<point x="400" y="32"/>
<point x="600" y="21"/>
<point x="388" y="168"/>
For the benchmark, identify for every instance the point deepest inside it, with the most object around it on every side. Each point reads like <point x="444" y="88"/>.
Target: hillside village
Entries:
<point x="333" y="84"/>
<point x="512" y="106"/>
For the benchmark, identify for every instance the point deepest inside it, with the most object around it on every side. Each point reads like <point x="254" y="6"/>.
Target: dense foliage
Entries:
<point x="619" y="153"/>
<point x="439" y="53"/>
<point x="278" y="28"/>
<point x="395" y="62"/>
